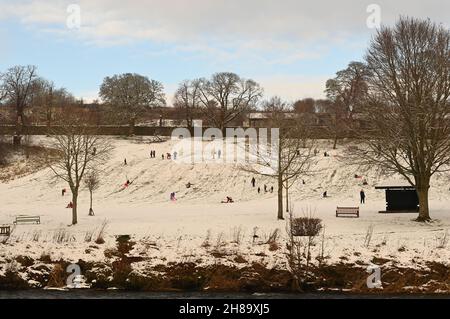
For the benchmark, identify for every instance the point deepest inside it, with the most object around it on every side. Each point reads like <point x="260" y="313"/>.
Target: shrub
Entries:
<point x="57" y="276"/>
<point x="306" y="226"/>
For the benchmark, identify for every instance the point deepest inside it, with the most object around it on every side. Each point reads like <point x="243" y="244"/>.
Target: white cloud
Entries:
<point x="262" y="31"/>
<point x="180" y="19"/>
<point x="293" y="88"/>
<point x="288" y="27"/>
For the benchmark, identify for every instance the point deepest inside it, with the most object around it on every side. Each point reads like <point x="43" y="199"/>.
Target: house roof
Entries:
<point x="394" y="183"/>
<point x="267" y="115"/>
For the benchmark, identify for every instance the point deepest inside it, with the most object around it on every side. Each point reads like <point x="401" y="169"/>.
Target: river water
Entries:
<point x="120" y="294"/>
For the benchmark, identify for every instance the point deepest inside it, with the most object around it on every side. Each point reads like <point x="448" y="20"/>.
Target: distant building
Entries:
<point x="263" y="119"/>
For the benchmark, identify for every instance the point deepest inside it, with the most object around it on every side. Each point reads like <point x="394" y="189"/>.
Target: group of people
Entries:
<point x="169" y="156"/>
<point x="266" y="189"/>
<point x="364" y="181"/>
<point x="213" y="154"/>
<point x="228" y="198"/>
<point x="362" y="196"/>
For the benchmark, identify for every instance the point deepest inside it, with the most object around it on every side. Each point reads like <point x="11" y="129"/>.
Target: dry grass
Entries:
<point x="27" y="160"/>
<point x="272" y="240"/>
<point x="101" y="233"/>
<point x="219" y="250"/>
<point x="237" y="235"/>
<point x="63" y="236"/>
<point x="368" y="237"/>
<point x="207" y="241"/>
<point x="89" y="235"/>
<point x="36" y="235"/>
<point x="443" y="240"/>
<point x="220" y="242"/>
<point x="322" y="257"/>
<point x="57" y="277"/>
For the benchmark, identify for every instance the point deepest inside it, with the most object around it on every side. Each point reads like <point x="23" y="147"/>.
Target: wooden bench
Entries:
<point x="5" y="230"/>
<point x="27" y="219"/>
<point x="347" y="211"/>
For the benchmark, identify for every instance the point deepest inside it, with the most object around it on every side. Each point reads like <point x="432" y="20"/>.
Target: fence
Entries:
<point x="318" y="132"/>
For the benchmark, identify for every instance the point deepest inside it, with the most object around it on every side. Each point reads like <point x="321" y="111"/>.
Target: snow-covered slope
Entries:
<point x="144" y="210"/>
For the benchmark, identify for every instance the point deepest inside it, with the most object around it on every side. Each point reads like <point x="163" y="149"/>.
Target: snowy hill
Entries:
<point x="144" y="210"/>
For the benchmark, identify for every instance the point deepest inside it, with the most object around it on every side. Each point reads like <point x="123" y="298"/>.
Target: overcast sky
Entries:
<point x="291" y="47"/>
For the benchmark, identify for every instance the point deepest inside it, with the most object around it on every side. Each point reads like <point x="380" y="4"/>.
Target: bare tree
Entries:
<point x="47" y="99"/>
<point x="79" y="152"/>
<point x="131" y="95"/>
<point x="323" y="105"/>
<point x="2" y="147"/>
<point x="43" y="98"/>
<point x="2" y="90"/>
<point x="347" y="92"/>
<point x="408" y="104"/>
<point x="3" y="152"/>
<point x="305" y="105"/>
<point x="226" y="96"/>
<point x="187" y="99"/>
<point x="92" y="183"/>
<point x="17" y="88"/>
<point x="292" y="153"/>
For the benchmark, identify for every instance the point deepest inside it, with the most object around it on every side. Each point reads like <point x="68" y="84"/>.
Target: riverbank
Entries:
<point x="122" y="273"/>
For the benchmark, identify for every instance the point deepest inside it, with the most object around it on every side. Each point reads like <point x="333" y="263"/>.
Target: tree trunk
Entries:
<point x="287" y="197"/>
<point x="91" y="211"/>
<point x="19" y="122"/>
<point x="188" y="119"/>
<point x="224" y="131"/>
<point x="49" y="110"/>
<point x="49" y="120"/>
<point x="280" y="185"/>
<point x="424" y="212"/>
<point x="335" y="142"/>
<point x="19" y="128"/>
<point x="132" y="124"/>
<point x="280" y="198"/>
<point x="74" y="208"/>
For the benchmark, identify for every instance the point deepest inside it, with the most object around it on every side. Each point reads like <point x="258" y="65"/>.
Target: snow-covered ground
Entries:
<point x="176" y="231"/>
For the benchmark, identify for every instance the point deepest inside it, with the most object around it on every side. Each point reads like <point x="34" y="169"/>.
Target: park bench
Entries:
<point x="5" y="230"/>
<point x="22" y="219"/>
<point x="347" y="211"/>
